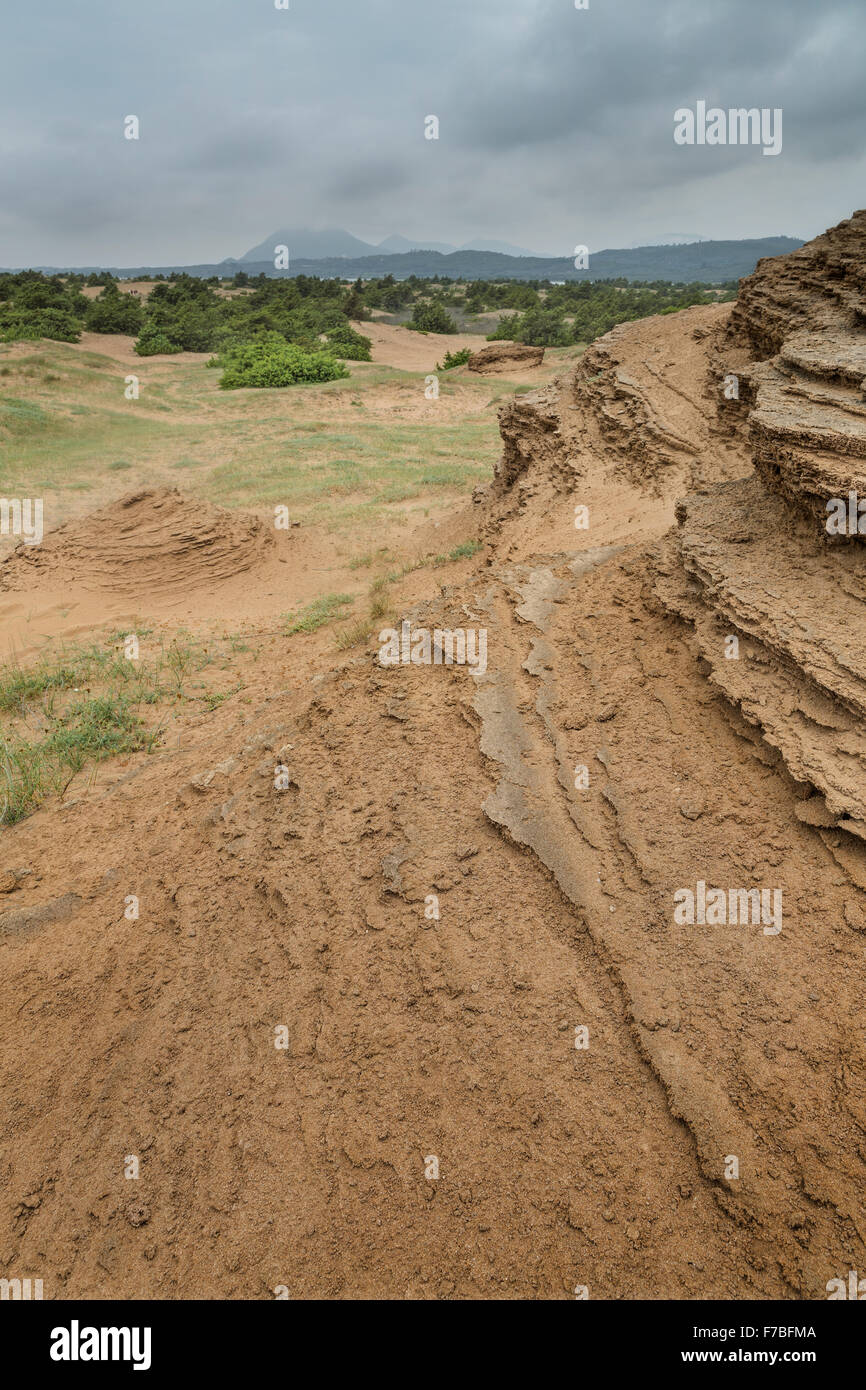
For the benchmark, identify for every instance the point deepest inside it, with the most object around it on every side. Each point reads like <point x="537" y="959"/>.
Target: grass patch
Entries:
<point x="19" y="417"/>
<point x="382" y="556"/>
<point x="87" y="731"/>
<point x="464" y="551"/>
<point x="306" y="448"/>
<point x="317" y="613"/>
<point x="77" y="706"/>
<point x="353" y="634"/>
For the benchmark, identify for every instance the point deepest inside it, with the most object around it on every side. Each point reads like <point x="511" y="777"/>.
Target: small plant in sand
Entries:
<point x="454" y="359"/>
<point x="317" y="613"/>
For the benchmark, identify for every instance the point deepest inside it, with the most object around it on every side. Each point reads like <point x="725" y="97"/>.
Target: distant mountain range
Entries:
<point x="710" y="261"/>
<point x="333" y="242"/>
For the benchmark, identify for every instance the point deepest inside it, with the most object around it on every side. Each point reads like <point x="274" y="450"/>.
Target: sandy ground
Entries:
<point x="418" y="1023"/>
<point x="394" y="346"/>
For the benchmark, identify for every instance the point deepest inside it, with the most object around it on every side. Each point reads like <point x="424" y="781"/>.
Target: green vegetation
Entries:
<point x="38" y="306"/>
<point x="464" y="551"/>
<point x="454" y="359"/>
<point x="113" y="312"/>
<point x="76" y="706"/>
<point x="583" y="311"/>
<point x="153" y="342"/>
<point x="64" y="425"/>
<point x="317" y="613"/>
<point x="346" y="342"/>
<point x="432" y="318"/>
<point x="88" y="731"/>
<point x="186" y="314"/>
<point x="538" y="327"/>
<point x="193" y="317"/>
<point x="271" y="361"/>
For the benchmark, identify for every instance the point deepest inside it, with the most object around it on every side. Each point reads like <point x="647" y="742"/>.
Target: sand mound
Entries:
<point x="154" y="540"/>
<point x="498" y="357"/>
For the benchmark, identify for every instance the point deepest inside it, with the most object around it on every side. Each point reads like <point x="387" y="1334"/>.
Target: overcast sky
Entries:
<point x="556" y="124"/>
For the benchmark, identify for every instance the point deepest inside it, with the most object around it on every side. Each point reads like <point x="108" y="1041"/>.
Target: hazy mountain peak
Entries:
<point x="305" y="243"/>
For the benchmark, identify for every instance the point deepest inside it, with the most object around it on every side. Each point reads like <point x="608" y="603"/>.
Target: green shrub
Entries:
<point x="113" y="312"/>
<point x="455" y="359"/>
<point x="432" y="318"/>
<point x="354" y="306"/>
<point x="536" y="327"/>
<point x="152" y="340"/>
<point x="271" y="361"/>
<point x="350" y="344"/>
<point x="58" y="324"/>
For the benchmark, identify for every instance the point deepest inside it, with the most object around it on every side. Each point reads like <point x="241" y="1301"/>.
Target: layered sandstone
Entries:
<point x="498" y="357"/>
<point x="778" y="608"/>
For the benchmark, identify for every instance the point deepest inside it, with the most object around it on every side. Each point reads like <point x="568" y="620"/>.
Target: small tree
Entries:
<point x="354" y="307"/>
<point x="454" y="359"/>
<point x="432" y="318"/>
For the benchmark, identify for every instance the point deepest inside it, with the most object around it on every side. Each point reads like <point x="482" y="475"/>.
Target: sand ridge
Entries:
<point x="153" y="539"/>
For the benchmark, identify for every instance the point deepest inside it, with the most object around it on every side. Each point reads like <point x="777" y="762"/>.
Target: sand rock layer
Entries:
<point x="156" y="539"/>
<point x="804" y="316"/>
<point x="777" y="604"/>
<point x="498" y="357"/>
<point x="626" y="433"/>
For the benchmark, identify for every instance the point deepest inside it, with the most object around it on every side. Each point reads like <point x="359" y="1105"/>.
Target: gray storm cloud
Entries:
<point x="556" y="125"/>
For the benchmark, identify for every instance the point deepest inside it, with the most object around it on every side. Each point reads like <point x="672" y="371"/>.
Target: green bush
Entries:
<point x="152" y="340"/>
<point x="58" y="324"/>
<point x="188" y="313"/>
<point x="432" y="318"/>
<point x="350" y="344"/>
<point x="455" y="359"/>
<point x="33" y="305"/>
<point x="537" y="328"/>
<point x="354" y="306"/>
<point x="113" y="312"/>
<point x="271" y="361"/>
